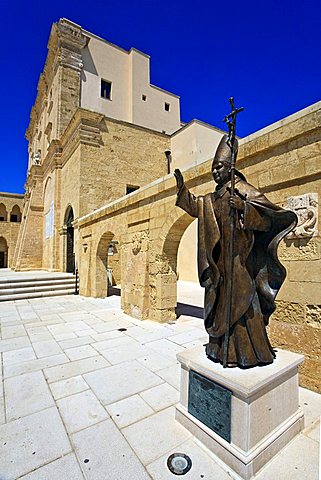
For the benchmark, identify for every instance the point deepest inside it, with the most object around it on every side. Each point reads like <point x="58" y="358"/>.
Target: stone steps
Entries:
<point x="25" y="287"/>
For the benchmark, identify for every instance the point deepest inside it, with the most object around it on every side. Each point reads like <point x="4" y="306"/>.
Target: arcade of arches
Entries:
<point x="11" y="206"/>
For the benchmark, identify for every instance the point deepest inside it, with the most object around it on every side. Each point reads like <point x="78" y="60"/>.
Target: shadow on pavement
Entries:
<point x="190" y="310"/>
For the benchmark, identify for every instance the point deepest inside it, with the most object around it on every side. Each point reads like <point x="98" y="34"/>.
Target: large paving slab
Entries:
<point x="120" y="381"/>
<point x="64" y="468"/>
<point x="81" y="410"/>
<point x="26" y="394"/>
<point x="31" y="442"/>
<point x="128" y="411"/>
<point x="104" y="454"/>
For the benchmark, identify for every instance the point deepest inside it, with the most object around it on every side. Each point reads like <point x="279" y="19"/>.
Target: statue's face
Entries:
<point x="220" y="172"/>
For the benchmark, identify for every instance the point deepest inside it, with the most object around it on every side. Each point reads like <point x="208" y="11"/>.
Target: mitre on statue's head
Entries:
<point x="223" y="152"/>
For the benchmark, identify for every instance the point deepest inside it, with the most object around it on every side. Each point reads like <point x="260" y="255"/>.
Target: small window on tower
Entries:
<point x="144" y="98"/>
<point x="167" y="107"/>
<point x="105" y="89"/>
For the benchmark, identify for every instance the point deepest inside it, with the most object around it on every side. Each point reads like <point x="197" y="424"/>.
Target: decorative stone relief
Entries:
<point x="306" y="208"/>
<point x="299" y="249"/>
<point x="313" y="316"/>
<point x="139" y="242"/>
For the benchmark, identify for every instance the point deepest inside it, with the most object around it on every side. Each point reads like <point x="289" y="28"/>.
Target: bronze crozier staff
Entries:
<point x="231" y="122"/>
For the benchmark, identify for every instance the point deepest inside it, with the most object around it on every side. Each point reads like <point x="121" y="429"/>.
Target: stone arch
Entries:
<point x="69" y="247"/>
<point x="165" y="275"/>
<point x="68" y="214"/>
<point x="171" y="235"/>
<point x="106" y="266"/>
<point x="3" y="253"/>
<point x="15" y="214"/>
<point x="3" y="213"/>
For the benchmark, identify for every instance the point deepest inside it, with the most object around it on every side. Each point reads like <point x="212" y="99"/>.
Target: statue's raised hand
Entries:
<point x="179" y="178"/>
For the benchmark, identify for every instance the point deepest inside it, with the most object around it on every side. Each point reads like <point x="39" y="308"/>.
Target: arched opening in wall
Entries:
<point x="180" y="252"/>
<point x="107" y="266"/>
<point x="187" y="255"/>
<point x="3" y="213"/>
<point x="70" y="255"/>
<point x="3" y="253"/>
<point x="15" y="215"/>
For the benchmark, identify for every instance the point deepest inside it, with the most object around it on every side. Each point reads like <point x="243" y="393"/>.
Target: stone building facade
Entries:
<point x="100" y="194"/>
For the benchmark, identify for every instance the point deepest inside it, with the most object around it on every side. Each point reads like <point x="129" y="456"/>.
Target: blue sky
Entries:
<point x="264" y="53"/>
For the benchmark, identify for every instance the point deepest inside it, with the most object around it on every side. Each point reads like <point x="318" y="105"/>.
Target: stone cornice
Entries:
<point x="281" y="132"/>
<point x="83" y="129"/>
<point x="53" y="157"/>
<point x="35" y="172"/>
<point x="18" y="196"/>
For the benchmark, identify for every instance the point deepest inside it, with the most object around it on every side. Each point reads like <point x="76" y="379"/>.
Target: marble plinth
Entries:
<point x="265" y="413"/>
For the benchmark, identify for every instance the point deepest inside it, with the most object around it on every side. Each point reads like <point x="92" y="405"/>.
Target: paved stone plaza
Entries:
<point x="89" y="392"/>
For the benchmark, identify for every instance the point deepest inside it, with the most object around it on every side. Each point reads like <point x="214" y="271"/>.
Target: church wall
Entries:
<point x="48" y="221"/>
<point x="108" y="62"/>
<point x="129" y="75"/>
<point x="70" y="196"/>
<point x="194" y="143"/>
<point x="127" y="155"/>
<point x="151" y="112"/>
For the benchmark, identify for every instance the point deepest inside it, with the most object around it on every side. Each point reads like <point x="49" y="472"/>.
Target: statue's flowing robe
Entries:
<point x="257" y="272"/>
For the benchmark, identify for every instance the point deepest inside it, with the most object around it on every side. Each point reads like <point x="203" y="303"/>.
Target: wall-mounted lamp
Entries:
<point x="112" y="247"/>
<point x="168" y="155"/>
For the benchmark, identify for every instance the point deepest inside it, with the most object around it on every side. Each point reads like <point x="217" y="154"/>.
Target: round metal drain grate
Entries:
<point x="179" y="463"/>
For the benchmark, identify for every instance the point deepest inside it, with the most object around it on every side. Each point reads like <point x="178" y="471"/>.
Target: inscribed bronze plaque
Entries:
<point x="210" y="403"/>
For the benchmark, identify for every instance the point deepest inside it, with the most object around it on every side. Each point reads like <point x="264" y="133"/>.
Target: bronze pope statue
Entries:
<point x="236" y="317"/>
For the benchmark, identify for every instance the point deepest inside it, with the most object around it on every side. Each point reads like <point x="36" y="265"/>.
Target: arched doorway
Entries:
<point x="3" y="253"/>
<point x="107" y="266"/>
<point x="70" y="256"/>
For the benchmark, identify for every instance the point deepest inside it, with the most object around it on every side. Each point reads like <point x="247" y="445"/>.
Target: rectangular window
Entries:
<point x="131" y="188"/>
<point x="144" y="98"/>
<point x="167" y="107"/>
<point x="105" y="89"/>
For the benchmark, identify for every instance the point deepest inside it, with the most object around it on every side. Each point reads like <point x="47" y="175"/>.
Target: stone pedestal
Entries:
<point x="243" y="416"/>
